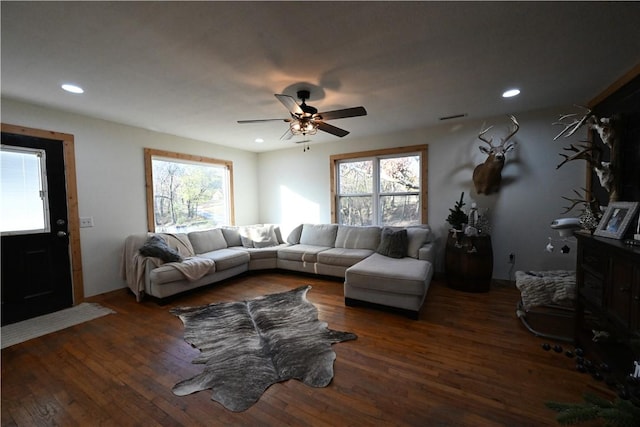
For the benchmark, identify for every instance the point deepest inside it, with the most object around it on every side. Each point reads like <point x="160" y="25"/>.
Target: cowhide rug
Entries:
<point x="247" y="346"/>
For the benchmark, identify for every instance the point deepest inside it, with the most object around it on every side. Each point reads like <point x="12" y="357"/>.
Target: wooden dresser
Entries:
<point x="608" y="286"/>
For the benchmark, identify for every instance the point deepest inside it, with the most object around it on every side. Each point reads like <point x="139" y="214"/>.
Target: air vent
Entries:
<point x="456" y="116"/>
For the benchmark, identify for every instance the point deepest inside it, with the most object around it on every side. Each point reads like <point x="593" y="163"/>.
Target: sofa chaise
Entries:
<point x="385" y="266"/>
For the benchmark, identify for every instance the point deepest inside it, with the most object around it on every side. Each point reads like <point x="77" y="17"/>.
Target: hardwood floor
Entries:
<point x="466" y="362"/>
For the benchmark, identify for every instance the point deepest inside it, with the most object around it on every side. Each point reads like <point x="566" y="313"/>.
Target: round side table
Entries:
<point x="469" y="263"/>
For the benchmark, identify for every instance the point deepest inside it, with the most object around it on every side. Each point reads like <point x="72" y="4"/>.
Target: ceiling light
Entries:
<point x="72" y="88"/>
<point x="511" y="93"/>
<point x="303" y="126"/>
<point x="259" y="140"/>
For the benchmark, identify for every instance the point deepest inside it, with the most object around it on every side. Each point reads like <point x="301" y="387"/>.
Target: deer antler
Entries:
<point x="514" y="130"/>
<point x="574" y="125"/>
<point x="481" y="136"/>
<point x="581" y="199"/>
<point x="583" y="151"/>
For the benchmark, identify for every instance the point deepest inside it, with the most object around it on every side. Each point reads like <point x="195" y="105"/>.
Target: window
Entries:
<point x="383" y="187"/>
<point x="23" y="204"/>
<point x="187" y="193"/>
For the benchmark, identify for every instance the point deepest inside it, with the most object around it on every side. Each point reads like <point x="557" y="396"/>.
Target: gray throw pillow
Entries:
<point x="294" y="236"/>
<point x="393" y="243"/>
<point x="155" y="246"/>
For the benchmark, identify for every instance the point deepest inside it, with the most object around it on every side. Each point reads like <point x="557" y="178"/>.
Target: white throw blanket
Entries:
<point x="133" y="265"/>
<point x="539" y="288"/>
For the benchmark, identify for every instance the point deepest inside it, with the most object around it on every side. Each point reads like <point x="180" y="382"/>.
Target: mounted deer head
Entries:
<point x="488" y="175"/>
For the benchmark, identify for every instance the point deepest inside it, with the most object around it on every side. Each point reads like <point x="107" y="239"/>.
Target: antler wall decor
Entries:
<point x="589" y="151"/>
<point x="487" y="176"/>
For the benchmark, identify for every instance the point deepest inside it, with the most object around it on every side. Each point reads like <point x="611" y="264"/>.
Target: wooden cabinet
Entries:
<point x="469" y="263"/>
<point x="608" y="286"/>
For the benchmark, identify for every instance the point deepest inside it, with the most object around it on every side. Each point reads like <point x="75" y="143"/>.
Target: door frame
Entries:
<point x="72" y="199"/>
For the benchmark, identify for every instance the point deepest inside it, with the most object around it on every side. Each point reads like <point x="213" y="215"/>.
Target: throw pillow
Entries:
<point x="294" y="236"/>
<point x="155" y="246"/>
<point x="231" y="236"/>
<point x="393" y="243"/>
<point x="418" y="236"/>
<point x="258" y="236"/>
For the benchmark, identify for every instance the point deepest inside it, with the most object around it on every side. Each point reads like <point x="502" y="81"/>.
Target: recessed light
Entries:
<point x="511" y="93"/>
<point x="259" y="140"/>
<point x="72" y="88"/>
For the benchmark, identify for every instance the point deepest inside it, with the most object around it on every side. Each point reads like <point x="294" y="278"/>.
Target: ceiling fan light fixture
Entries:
<point x="303" y="127"/>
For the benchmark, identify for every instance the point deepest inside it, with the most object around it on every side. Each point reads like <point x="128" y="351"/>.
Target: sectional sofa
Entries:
<point x="385" y="266"/>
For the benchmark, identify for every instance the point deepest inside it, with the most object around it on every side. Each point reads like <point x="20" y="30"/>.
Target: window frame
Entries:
<point x="41" y="157"/>
<point x="421" y="150"/>
<point x="150" y="153"/>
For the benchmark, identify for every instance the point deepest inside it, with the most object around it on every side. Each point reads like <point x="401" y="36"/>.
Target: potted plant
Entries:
<point x="457" y="218"/>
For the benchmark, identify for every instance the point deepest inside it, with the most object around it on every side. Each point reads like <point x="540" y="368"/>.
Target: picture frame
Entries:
<point x="616" y="219"/>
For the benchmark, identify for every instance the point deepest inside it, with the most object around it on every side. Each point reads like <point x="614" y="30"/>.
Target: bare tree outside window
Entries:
<point x="188" y="193"/>
<point x="356" y="192"/>
<point x="400" y="190"/>
<point x="384" y="188"/>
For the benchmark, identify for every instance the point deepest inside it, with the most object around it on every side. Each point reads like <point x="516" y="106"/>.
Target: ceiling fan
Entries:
<point x="305" y="119"/>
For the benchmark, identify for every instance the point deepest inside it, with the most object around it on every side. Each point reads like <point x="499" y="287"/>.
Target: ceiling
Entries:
<point x="193" y="69"/>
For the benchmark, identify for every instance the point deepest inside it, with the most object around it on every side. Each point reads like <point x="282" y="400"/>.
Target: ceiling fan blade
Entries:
<point x="344" y="113"/>
<point x="290" y="104"/>
<point x="332" y="129"/>
<point x="287" y="135"/>
<point x="264" y="120"/>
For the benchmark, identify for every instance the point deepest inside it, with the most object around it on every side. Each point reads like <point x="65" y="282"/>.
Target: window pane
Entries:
<point x="356" y="177"/>
<point x="400" y="174"/>
<point x="189" y="196"/>
<point x="23" y="204"/>
<point x="356" y="210"/>
<point x="400" y="210"/>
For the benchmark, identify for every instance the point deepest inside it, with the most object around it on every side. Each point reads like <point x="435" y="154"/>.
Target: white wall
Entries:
<point x="111" y="183"/>
<point x="294" y="185"/>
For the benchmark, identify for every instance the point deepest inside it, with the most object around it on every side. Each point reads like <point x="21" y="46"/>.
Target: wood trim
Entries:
<point x="148" y="177"/>
<point x="424" y="156"/>
<point x="613" y="87"/>
<point x="72" y="200"/>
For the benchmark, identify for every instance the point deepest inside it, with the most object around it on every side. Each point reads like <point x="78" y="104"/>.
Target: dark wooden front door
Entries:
<point x="36" y="265"/>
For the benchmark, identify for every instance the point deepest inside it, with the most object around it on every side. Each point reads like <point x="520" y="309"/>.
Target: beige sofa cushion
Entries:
<point x="352" y="237"/>
<point x="227" y="258"/>
<point x="207" y="241"/>
<point x="319" y="234"/>
<point x="343" y="257"/>
<point x="397" y="275"/>
<point x="303" y="253"/>
<point x="261" y="253"/>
